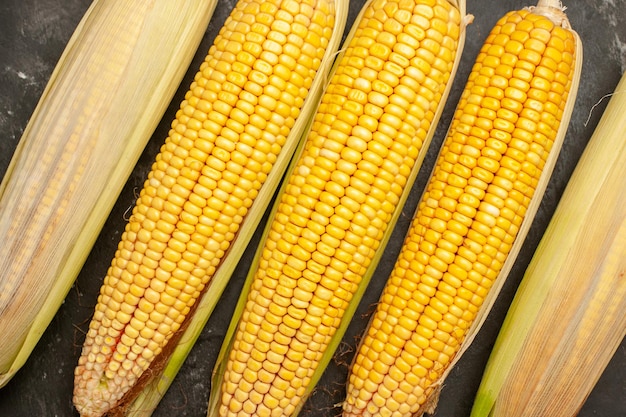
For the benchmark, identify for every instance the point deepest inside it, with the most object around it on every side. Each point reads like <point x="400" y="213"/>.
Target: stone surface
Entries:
<point x="33" y="34"/>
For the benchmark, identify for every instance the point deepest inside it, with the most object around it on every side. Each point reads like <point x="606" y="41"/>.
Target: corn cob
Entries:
<point x="544" y="367"/>
<point x="342" y="197"/>
<point x="476" y="209"/>
<point x="81" y="143"/>
<point x="238" y="121"/>
<point x="163" y="373"/>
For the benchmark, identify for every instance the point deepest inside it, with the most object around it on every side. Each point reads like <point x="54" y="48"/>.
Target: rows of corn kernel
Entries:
<point x="366" y="137"/>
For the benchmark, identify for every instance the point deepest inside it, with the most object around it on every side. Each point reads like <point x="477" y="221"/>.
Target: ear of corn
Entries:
<point x="471" y="221"/>
<point x="567" y="318"/>
<point x="150" y="396"/>
<point x="104" y="99"/>
<point x="335" y="212"/>
<point x="227" y="149"/>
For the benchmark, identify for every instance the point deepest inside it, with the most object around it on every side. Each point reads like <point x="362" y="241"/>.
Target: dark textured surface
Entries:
<point x="33" y="34"/>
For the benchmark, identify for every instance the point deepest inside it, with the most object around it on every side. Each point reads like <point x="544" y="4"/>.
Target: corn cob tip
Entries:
<point x="92" y="397"/>
<point x="553" y="10"/>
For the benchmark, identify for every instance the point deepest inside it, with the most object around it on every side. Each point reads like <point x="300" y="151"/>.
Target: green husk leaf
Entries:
<point x="114" y="81"/>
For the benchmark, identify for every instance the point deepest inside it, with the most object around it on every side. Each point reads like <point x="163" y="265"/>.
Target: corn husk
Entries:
<point x="104" y="99"/>
<point x="568" y="316"/>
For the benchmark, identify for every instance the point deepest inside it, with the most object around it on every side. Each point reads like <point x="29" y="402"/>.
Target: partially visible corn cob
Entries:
<point x="543" y="366"/>
<point x="105" y="97"/>
<point x="228" y="147"/>
<point x="471" y="220"/>
<point x="334" y="214"/>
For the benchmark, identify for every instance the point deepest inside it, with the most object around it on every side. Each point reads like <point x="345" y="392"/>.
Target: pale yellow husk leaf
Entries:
<point x="108" y="92"/>
<point x="569" y="314"/>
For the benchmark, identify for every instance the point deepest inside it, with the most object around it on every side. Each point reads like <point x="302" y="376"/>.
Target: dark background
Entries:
<point x="33" y="34"/>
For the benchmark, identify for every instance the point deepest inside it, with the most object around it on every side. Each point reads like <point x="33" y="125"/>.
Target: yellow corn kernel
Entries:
<point x="484" y="179"/>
